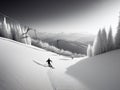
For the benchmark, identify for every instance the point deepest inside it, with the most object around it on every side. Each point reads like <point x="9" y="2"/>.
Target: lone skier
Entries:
<point x="49" y="62"/>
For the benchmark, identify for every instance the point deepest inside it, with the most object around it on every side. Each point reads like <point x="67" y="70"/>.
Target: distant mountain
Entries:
<point x="76" y="43"/>
<point x="69" y="37"/>
<point x="73" y="46"/>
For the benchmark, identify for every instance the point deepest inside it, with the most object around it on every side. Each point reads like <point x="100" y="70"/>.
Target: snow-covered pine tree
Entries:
<point x="18" y="32"/>
<point x="6" y="31"/>
<point x="117" y="36"/>
<point x="13" y="32"/>
<point x="104" y="40"/>
<point x="97" y="47"/>
<point x="89" y="51"/>
<point x="110" y="44"/>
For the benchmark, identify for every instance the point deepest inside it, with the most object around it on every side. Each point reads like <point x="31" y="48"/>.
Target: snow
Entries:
<point x="18" y="71"/>
<point x="101" y="72"/>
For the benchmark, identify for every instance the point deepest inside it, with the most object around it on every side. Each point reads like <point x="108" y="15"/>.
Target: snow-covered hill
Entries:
<point x="18" y="71"/>
<point x="98" y="73"/>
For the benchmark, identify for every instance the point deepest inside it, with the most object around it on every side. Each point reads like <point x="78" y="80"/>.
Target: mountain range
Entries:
<point x="74" y="42"/>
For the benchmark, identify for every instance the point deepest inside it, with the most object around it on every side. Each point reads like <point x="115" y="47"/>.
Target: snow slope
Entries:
<point x="18" y="71"/>
<point x="98" y="73"/>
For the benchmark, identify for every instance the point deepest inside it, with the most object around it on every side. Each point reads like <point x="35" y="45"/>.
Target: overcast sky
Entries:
<point x="69" y="16"/>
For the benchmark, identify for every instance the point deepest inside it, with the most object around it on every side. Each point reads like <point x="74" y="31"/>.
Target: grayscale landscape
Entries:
<point x="60" y="45"/>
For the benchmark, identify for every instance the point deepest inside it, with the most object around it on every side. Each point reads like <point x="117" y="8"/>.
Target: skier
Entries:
<point x="49" y="62"/>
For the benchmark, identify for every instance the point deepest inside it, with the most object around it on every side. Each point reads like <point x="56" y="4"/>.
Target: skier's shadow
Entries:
<point x="40" y="63"/>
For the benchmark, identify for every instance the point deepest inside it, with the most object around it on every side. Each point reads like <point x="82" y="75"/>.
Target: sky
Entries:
<point x="69" y="16"/>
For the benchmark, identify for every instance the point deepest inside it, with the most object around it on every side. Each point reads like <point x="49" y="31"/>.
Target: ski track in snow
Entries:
<point x="58" y="78"/>
<point x="18" y="71"/>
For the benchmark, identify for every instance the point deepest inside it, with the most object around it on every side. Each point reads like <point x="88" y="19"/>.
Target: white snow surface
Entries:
<point x="18" y="71"/>
<point x="100" y="72"/>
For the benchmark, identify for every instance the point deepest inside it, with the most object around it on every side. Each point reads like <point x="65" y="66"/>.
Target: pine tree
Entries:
<point x="89" y="51"/>
<point x="104" y="40"/>
<point x="110" y="44"/>
<point x="117" y="36"/>
<point x="97" y="46"/>
<point x="6" y="32"/>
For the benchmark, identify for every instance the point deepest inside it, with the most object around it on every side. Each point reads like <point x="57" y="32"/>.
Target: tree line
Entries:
<point x="104" y="42"/>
